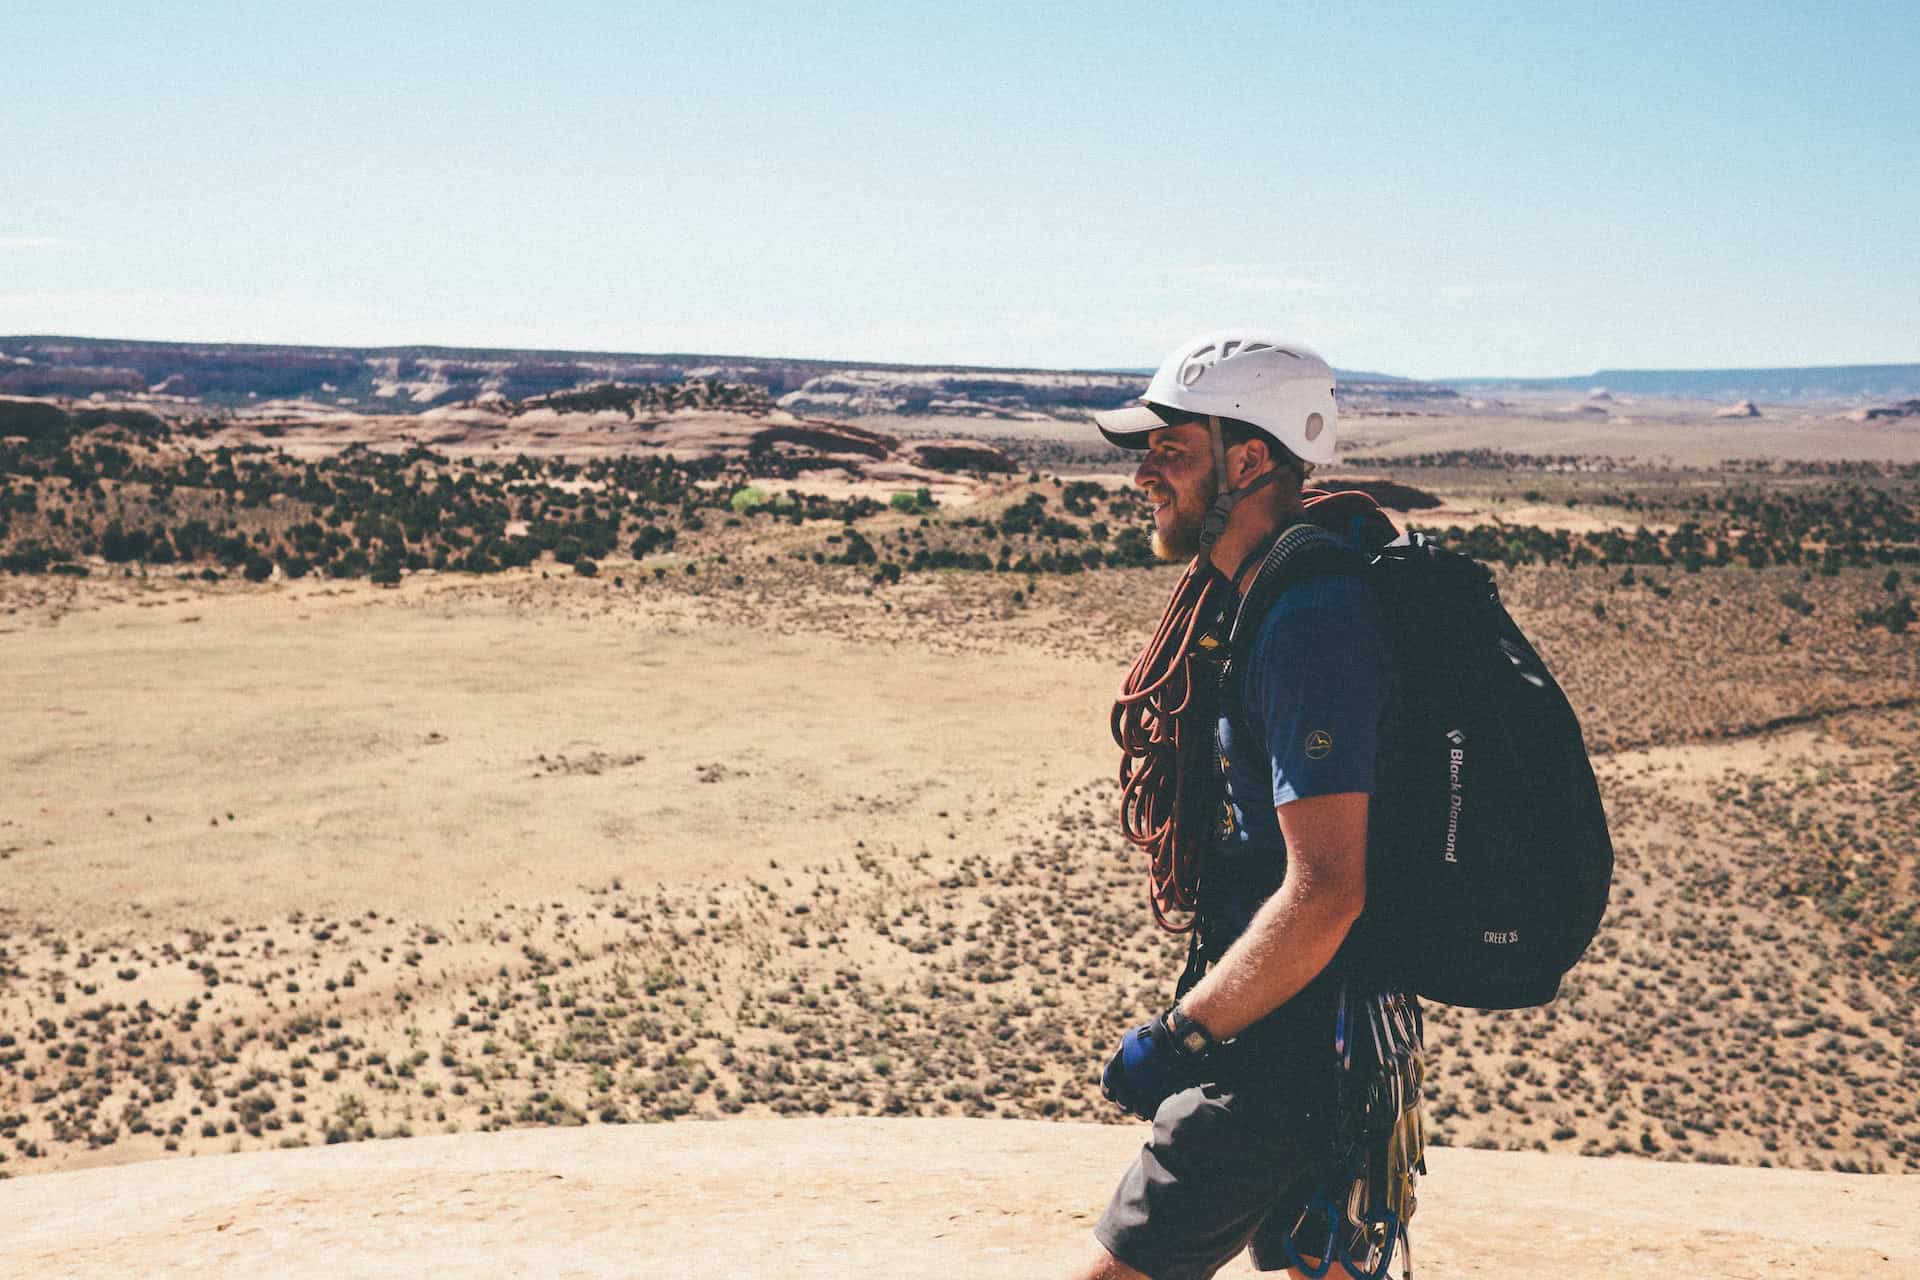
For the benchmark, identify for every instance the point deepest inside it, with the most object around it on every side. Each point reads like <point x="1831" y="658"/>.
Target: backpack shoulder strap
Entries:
<point x="1302" y="551"/>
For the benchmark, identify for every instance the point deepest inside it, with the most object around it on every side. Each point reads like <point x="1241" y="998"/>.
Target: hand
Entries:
<point x="1148" y="1068"/>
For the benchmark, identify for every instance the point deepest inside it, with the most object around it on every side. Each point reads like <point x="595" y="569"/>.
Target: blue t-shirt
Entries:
<point x="1315" y="686"/>
<point x="1313" y="693"/>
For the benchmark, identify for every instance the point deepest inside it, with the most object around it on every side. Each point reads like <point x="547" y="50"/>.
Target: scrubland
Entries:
<point x="741" y="823"/>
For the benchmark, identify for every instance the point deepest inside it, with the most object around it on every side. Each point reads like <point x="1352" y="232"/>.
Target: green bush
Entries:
<point x="919" y="502"/>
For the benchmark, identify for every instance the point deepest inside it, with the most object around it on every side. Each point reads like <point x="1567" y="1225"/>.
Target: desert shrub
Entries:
<point x="918" y="502"/>
<point x="1079" y="497"/>
<point x="1022" y="517"/>
<point x="858" y="549"/>
<point x="118" y="546"/>
<point x="1131" y="549"/>
<point x="1895" y="617"/>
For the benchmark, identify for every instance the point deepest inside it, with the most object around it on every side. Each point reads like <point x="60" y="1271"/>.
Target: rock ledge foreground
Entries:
<point x="877" y="1197"/>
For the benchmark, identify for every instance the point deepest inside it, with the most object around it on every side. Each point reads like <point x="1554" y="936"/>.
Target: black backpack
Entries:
<point x="1488" y="859"/>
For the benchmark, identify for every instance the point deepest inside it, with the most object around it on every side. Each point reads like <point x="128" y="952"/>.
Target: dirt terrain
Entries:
<point x="302" y="863"/>
<point x="1004" y="1199"/>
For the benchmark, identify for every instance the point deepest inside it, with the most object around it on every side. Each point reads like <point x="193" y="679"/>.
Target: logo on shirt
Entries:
<point x="1319" y="744"/>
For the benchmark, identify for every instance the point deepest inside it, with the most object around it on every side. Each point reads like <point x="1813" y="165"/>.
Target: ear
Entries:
<point x="1255" y="457"/>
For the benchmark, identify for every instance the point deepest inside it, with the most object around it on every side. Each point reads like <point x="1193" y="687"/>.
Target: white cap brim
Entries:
<point x="1129" y="427"/>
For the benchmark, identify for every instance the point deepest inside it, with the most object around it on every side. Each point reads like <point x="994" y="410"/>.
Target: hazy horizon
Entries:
<point x="1140" y="370"/>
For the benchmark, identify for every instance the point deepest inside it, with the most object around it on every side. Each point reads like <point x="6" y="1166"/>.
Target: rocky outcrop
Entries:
<point x="829" y="438"/>
<point x="1740" y="409"/>
<point x="1887" y="413"/>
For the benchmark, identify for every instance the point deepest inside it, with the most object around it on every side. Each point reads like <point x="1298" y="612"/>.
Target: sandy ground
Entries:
<point x="195" y="757"/>
<point x="1655" y="434"/>
<point x="862" y="1197"/>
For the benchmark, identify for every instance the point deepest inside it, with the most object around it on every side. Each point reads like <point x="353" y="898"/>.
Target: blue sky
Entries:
<point x="1427" y="190"/>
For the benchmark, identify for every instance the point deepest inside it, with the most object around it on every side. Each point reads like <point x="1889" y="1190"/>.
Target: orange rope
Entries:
<point x="1148" y="724"/>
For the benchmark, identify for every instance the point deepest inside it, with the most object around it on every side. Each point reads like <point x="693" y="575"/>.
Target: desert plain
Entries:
<point x="328" y="885"/>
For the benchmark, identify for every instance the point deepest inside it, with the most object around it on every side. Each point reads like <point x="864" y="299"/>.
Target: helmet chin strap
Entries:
<point x="1225" y="499"/>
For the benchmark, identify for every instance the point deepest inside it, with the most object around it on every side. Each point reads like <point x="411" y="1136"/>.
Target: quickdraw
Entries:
<point x="1379" y="1150"/>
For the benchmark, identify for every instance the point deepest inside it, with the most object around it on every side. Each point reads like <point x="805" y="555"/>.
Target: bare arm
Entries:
<point x="1295" y="932"/>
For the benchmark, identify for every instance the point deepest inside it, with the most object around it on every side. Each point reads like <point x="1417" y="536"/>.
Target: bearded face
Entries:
<point x="1176" y="525"/>
<point x="1176" y="475"/>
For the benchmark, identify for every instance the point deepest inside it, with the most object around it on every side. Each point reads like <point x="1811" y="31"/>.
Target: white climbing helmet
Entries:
<point x="1281" y="387"/>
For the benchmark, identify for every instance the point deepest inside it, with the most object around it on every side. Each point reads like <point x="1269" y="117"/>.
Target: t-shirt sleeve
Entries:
<point x="1318" y="681"/>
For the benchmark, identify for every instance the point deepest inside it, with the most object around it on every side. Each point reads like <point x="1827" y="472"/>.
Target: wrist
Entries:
<point x="1190" y="1035"/>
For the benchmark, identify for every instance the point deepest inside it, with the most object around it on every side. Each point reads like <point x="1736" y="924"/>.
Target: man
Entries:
<point x="1240" y="1076"/>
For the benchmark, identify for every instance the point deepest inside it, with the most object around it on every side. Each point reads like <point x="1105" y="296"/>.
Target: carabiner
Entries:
<point x="1391" y="1221"/>
<point x="1325" y="1208"/>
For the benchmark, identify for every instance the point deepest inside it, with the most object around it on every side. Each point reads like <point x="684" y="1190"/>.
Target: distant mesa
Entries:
<point x="1739" y="409"/>
<point x="1847" y="383"/>
<point x="1585" y="409"/>
<point x="399" y="380"/>
<point x="69" y="380"/>
<point x="415" y="379"/>
<point x="1600" y="394"/>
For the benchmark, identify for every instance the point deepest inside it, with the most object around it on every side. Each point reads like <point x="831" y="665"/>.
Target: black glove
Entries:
<point x="1152" y="1064"/>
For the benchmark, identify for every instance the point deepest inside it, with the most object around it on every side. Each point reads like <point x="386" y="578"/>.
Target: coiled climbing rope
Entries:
<point x="1156" y="738"/>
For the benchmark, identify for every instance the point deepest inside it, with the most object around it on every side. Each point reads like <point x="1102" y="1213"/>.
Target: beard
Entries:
<point x="1180" y="538"/>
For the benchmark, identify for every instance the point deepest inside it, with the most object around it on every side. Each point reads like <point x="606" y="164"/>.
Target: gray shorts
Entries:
<point x="1224" y="1171"/>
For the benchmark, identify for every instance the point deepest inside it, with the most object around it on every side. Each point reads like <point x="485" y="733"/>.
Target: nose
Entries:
<point x="1146" y="472"/>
